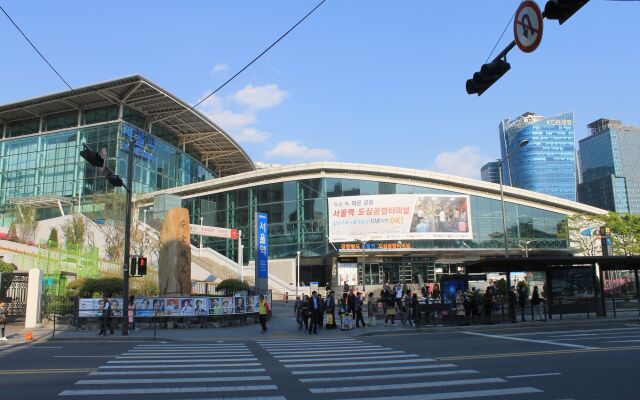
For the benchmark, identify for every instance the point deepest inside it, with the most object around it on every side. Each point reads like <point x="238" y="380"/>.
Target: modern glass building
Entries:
<point x="300" y="202"/>
<point x="547" y="163"/>
<point x="490" y="172"/>
<point x="40" y="165"/>
<point x="610" y="164"/>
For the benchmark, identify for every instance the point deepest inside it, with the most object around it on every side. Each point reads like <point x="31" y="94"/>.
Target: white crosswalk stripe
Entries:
<point x="147" y="371"/>
<point x="327" y="367"/>
<point x="578" y="337"/>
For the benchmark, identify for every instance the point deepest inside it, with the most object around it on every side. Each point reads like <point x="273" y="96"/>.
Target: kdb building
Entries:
<point x="364" y="224"/>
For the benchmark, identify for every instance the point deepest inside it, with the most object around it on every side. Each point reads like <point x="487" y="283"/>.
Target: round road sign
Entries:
<point x="527" y="26"/>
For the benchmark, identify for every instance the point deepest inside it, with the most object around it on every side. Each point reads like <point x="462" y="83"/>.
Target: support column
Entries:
<point x="34" y="295"/>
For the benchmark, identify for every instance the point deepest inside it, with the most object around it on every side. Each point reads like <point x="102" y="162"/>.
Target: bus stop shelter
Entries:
<point x="571" y="284"/>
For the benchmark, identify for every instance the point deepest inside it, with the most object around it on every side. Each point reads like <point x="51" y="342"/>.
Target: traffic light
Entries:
<point x="133" y="266"/>
<point x="562" y="10"/>
<point x="92" y="157"/>
<point x="114" y="179"/>
<point x="488" y="75"/>
<point x="142" y="266"/>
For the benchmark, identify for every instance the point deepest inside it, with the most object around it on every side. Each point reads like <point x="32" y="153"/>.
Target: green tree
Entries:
<point x="232" y="286"/>
<point x="6" y="267"/>
<point x="87" y="287"/>
<point x="53" y="238"/>
<point x="625" y="232"/>
<point x="583" y="230"/>
<point x="75" y="230"/>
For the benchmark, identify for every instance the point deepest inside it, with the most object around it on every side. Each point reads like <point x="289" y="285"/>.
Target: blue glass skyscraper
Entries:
<point x="610" y="164"/>
<point x="547" y="163"/>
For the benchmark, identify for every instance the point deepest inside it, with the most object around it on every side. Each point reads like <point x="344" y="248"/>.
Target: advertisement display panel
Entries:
<point x="399" y="217"/>
<point x="348" y="272"/>
<point x="216" y="306"/>
<point x="201" y="305"/>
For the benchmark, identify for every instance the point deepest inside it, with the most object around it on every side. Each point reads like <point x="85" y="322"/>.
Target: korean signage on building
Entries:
<point x="399" y="217"/>
<point x="214" y="231"/>
<point x="262" y="246"/>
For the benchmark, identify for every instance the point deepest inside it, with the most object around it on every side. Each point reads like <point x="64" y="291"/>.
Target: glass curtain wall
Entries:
<point x="298" y="218"/>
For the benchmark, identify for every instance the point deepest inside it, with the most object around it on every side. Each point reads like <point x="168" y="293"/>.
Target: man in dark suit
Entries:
<point x="351" y="303"/>
<point x="315" y="309"/>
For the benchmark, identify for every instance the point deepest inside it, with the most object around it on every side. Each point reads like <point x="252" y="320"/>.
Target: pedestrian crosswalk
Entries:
<point x="151" y="370"/>
<point x="350" y="368"/>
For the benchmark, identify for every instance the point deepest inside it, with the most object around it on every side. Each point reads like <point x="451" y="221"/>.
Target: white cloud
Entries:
<point x="251" y="135"/>
<point x="219" y="68"/>
<point x="256" y="97"/>
<point x="232" y="121"/>
<point x="465" y="162"/>
<point x="292" y="150"/>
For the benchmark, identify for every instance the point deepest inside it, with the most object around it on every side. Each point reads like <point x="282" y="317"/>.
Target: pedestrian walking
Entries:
<point x="132" y="311"/>
<point x="406" y="309"/>
<point x="106" y="316"/>
<point x="414" y="308"/>
<point x="391" y="311"/>
<point x="460" y="312"/>
<point x="3" y="320"/>
<point x="488" y="305"/>
<point x="536" y="304"/>
<point x="371" y="310"/>
<point x="359" y="307"/>
<point x="315" y="308"/>
<point x="263" y="311"/>
<point x="323" y="308"/>
<point x="351" y="303"/>
<point x="297" y="311"/>
<point x="331" y="310"/>
<point x="345" y="288"/>
<point x="305" y="312"/>
<point x="522" y="300"/>
<point x="512" y="298"/>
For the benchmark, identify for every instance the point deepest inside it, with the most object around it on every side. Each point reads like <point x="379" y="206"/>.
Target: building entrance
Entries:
<point x="378" y="270"/>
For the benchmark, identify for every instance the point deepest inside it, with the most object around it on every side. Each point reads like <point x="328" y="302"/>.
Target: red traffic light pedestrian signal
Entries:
<point x="142" y="266"/>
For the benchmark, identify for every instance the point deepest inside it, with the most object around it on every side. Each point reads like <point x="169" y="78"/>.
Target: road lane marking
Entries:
<point x="624" y="341"/>
<point x="314" y="365"/>
<point x="174" y="390"/>
<point x="573" y="331"/>
<point x="355" y="353"/>
<point x="405" y="386"/>
<point x="172" y="380"/>
<point x="536" y="353"/>
<point x="183" y="361"/>
<point x="459" y="395"/>
<point x="529" y="340"/>
<point x="324" y="350"/>
<point x="174" y="372"/>
<point x="45" y="371"/>
<point x="147" y="366"/>
<point x="389" y="376"/>
<point x="376" y="369"/>
<point x="174" y="357"/>
<point x="533" y="375"/>
<point x="111" y="356"/>
<point x="307" y="359"/>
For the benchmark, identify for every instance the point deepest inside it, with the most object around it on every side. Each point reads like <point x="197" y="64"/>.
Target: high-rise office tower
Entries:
<point x="546" y="164"/>
<point x="610" y="165"/>
<point x="489" y="172"/>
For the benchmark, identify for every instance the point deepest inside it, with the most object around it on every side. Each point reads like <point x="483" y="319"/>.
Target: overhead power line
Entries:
<point x="35" y="48"/>
<point x="256" y="58"/>
<point x="502" y="34"/>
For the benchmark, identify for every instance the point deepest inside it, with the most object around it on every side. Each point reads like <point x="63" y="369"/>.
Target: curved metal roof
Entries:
<point x="195" y="133"/>
<point x="415" y="177"/>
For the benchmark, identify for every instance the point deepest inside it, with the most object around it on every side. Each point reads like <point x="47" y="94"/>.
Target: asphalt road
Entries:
<point x="528" y="362"/>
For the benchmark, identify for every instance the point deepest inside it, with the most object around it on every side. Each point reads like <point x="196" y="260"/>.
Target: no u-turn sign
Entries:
<point x="527" y="26"/>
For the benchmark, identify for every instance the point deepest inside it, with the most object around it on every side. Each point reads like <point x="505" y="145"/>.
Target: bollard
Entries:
<point x="28" y="336"/>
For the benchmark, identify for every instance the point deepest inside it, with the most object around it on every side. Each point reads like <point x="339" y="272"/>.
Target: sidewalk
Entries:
<point x="282" y="325"/>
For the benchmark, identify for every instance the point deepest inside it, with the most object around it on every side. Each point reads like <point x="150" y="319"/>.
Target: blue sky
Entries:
<point x="360" y="81"/>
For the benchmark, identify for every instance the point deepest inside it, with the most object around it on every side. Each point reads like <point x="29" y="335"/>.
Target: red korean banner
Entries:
<point x="399" y="217"/>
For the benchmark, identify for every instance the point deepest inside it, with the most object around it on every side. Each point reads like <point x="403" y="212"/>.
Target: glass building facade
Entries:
<point x="610" y="166"/>
<point x="490" y="172"/>
<point x="36" y="165"/>
<point x="298" y="220"/>
<point x="546" y="164"/>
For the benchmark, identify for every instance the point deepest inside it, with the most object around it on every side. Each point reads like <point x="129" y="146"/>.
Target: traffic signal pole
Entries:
<point x="127" y="245"/>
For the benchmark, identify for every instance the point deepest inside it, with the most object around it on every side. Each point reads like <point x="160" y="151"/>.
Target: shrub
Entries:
<point x="232" y="286"/>
<point x="53" y="238"/>
<point x="87" y="287"/>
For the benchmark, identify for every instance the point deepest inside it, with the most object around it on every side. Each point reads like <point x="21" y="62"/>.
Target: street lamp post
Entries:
<point x="526" y="246"/>
<point x="297" y="271"/>
<point x="504" y="214"/>
<point x="200" y="249"/>
<point x="364" y="262"/>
